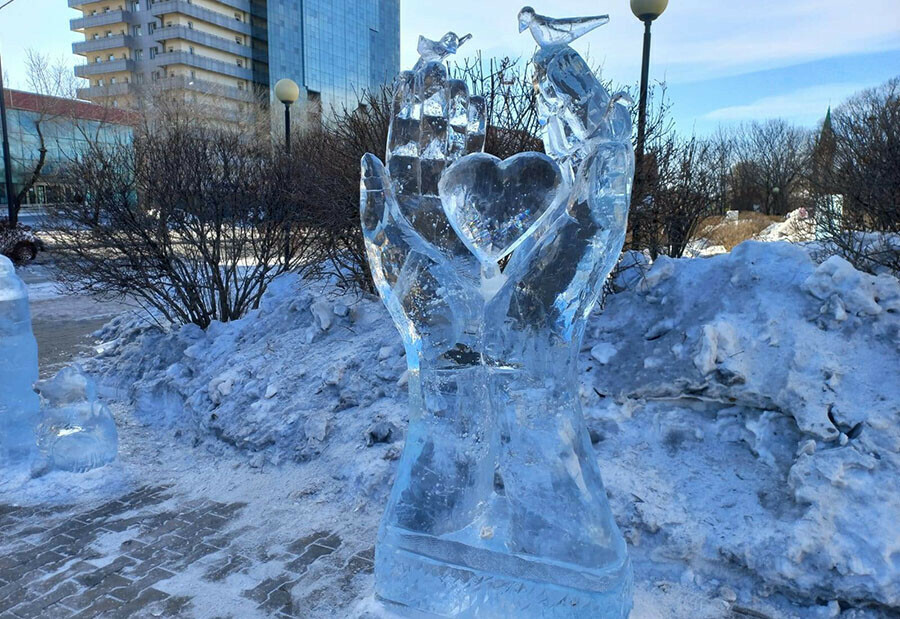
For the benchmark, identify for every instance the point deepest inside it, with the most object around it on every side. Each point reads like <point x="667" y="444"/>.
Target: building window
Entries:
<point x="111" y="57"/>
<point x="115" y="103"/>
<point x="238" y="17"/>
<point x="155" y="75"/>
<point x="136" y="6"/>
<point x="138" y="54"/>
<point x="100" y="82"/>
<point x="108" y="33"/>
<point x="191" y="49"/>
<point x="97" y="59"/>
<point x="190" y="25"/>
<point x="136" y="31"/>
<point x="240" y="62"/>
<point x="153" y="51"/>
<point x="96" y="36"/>
<point x="151" y="27"/>
<point x="112" y="80"/>
<point x="139" y="78"/>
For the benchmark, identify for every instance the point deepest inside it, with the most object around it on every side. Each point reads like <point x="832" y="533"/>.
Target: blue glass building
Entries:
<point x="333" y="49"/>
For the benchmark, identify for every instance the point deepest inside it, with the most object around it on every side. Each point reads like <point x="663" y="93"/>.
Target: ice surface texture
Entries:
<point x="19" y="404"/>
<point x="77" y="433"/>
<point x="498" y="506"/>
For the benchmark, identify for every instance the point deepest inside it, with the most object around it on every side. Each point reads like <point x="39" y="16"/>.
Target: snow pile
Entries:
<point x="800" y="363"/>
<point x="798" y="227"/>
<point x="744" y="410"/>
<point x="277" y="382"/>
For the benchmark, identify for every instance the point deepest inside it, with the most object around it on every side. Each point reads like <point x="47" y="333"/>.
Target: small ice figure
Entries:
<point x="77" y="432"/>
<point x="435" y="51"/>
<point x="19" y="405"/>
<point x="548" y="31"/>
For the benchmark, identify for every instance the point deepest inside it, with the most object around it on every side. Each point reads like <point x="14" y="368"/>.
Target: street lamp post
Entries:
<point x="287" y="92"/>
<point x="646" y="11"/>
<point x="7" y="160"/>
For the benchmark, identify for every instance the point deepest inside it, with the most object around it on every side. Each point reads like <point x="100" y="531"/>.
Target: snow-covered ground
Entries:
<point x="744" y="408"/>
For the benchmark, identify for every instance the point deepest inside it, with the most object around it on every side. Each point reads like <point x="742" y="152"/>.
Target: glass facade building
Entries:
<point x="66" y="126"/>
<point x="334" y="49"/>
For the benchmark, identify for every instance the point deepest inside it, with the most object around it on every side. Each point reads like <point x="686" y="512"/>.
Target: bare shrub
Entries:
<point x="190" y="220"/>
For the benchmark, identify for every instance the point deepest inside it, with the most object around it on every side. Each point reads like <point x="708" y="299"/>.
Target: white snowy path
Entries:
<point x="744" y="411"/>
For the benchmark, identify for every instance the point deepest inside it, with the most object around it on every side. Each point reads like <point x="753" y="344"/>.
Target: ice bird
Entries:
<point x="548" y="31"/>
<point x="435" y="51"/>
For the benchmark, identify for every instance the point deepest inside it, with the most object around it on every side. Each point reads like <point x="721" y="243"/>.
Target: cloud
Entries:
<point x="803" y="105"/>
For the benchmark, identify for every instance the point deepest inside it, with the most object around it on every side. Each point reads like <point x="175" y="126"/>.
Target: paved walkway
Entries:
<point x="114" y="560"/>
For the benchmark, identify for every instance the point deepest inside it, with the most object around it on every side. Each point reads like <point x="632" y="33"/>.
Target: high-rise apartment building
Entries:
<point x="227" y="53"/>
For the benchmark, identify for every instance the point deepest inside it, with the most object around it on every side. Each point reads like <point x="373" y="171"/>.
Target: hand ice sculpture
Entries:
<point x="77" y="432"/>
<point x="498" y="506"/>
<point x="19" y="404"/>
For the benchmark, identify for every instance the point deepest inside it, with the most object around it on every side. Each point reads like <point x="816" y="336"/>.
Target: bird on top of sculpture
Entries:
<point x="435" y="51"/>
<point x="550" y="32"/>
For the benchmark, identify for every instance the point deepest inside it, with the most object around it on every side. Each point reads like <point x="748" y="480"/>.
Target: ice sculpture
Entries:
<point x="489" y="269"/>
<point x="19" y="404"/>
<point x="77" y="432"/>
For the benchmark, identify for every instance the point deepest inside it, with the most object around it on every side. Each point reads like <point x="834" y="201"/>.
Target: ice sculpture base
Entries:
<point x="425" y="576"/>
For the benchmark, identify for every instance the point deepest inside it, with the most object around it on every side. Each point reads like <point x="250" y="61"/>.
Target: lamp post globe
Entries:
<point x="287" y="91"/>
<point x="646" y="10"/>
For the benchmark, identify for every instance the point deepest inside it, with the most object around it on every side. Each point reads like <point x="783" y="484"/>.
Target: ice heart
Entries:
<point x="493" y="205"/>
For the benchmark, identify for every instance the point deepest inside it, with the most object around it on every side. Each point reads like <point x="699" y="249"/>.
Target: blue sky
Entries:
<point x="724" y="61"/>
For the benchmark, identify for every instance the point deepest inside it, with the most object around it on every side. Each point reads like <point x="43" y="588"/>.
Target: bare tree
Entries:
<point x="194" y="219"/>
<point x="772" y="160"/>
<point x="855" y="178"/>
<point x="682" y="191"/>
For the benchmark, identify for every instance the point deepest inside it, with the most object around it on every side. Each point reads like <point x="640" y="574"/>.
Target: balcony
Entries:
<point x="248" y="6"/>
<point x="210" y="40"/>
<point x="208" y="88"/>
<point x="102" y="68"/>
<point x="164" y="7"/>
<point x="77" y="4"/>
<point x="96" y="45"/>
<point x="98" y="92"/>
<point x="101" y="19"/>
<point x="202" y="62"/>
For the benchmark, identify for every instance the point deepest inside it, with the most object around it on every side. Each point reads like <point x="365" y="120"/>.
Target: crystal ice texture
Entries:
<point x="19" y="404"/>
<point x="77" y="433"/>
<point x="498" y="507"/>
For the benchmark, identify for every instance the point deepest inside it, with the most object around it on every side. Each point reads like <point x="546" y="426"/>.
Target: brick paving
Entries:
<point x="56" y="562"/>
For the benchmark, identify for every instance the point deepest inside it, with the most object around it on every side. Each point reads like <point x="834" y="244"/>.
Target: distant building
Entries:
<point x="63" y="128"/>
<point x="229" y="52"/>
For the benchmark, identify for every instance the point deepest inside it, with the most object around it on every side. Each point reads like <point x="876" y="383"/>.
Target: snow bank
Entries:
<point x="744" y="409"/>
<point x="799" y="363"/>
